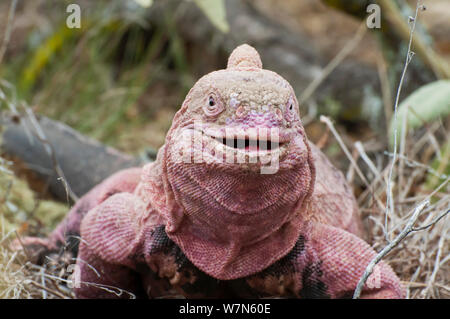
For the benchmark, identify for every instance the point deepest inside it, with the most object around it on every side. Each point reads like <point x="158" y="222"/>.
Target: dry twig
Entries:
<point x="409" y="55"/>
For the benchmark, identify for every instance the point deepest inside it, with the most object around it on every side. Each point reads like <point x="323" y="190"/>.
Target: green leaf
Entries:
<point x="216" y="13"/>
<point x="425" y="105"/>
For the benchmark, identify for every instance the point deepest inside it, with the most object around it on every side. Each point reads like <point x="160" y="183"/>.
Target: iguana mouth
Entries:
<point x="249" y="144"/>
<point x="249" y="141"/>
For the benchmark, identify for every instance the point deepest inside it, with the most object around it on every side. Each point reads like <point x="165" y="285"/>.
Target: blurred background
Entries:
<point x="121" y="77"/>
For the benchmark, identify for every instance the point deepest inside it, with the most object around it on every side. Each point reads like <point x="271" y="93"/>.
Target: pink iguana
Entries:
<point x="213" y="227"/>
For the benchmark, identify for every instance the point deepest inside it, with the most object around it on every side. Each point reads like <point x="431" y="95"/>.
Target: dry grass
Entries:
<point x="20" y="279"/>
<point x="19" y="210"/>
<point x="422" y="260"/>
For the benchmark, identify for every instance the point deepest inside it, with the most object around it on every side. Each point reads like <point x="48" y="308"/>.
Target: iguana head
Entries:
<point x="238" y="166"/>
<point x="242" y="117"/>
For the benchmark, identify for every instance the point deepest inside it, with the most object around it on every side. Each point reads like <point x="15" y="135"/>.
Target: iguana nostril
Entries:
<point x="278" y="114"/>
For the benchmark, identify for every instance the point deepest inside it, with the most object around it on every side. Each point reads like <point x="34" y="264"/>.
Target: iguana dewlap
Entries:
<point x="209" y="227"/>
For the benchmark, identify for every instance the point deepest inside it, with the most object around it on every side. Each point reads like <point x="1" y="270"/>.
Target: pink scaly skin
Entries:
<point x="214" y="228"/>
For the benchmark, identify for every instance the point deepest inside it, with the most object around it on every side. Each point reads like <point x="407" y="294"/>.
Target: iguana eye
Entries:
<point x="213" y="105"/>
<point x="290" y="109"/>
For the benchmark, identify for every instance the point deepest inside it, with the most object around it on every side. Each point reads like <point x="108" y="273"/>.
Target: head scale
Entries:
<point x="244" y="57"/>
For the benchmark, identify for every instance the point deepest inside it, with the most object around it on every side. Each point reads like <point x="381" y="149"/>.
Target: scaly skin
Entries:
<point x="217" y="228"/>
